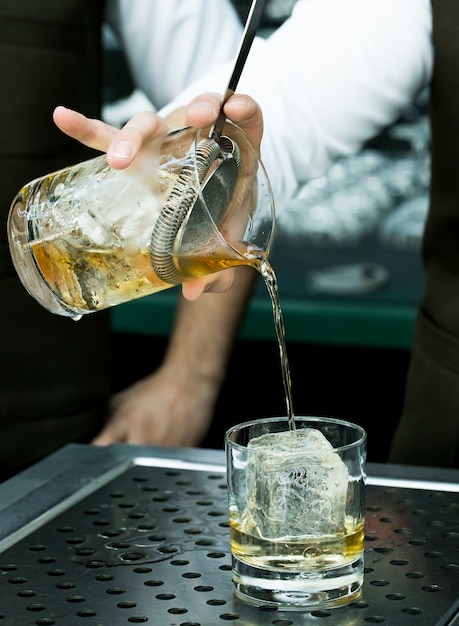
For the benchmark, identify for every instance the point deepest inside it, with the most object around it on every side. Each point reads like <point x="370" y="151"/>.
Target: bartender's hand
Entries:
<point x="170" y="407"/>
<point x="122" y="147"/>
<point x="175" y="404"/>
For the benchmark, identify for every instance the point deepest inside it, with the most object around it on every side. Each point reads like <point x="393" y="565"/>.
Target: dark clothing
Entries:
<point x="428" y="433"/>
<point x="54" y="373"/>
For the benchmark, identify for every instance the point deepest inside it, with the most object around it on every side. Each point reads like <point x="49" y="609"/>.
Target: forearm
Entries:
<point x="204" y="330"/>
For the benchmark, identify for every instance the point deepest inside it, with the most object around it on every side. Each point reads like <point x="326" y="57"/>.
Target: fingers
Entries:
<point x="121" y="146"/>
<point x="137" y="133"/>
<point x="108" y="436"/>
<point x="90" y="132"/>
<point x="241" y="109"/>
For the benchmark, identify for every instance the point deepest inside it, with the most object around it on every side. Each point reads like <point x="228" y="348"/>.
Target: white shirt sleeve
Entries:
<point x="329" y="79"/>
<point x="170" y="43"/>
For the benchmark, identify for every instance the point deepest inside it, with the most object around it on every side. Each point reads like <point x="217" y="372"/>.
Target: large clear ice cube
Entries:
<point x="296" y="486"/>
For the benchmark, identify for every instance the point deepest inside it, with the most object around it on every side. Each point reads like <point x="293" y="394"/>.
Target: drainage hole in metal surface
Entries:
<point x="223" y="524"/>
<point x="101" y="522"/>
<point x="180" y="562"/>
<point x="9" y="567"/>
<point x="205" y="542"/>
<point x="95" y="564"/>
<point x="165" y="596"/>
<point x="85" y="552"/>
<point x="432" y="588"/>
<point x="229" y="616"/>
<point x="395" y="596"/>
<point x="65" y="585"/>
<point x="76" y="599"/>
<point x="56" y="572"/>
<point x="92" y="511"/>
<point x="387" y="520"/>
<point x="86" y="613"/>
<point x="216" y="602"/>
<point x="417" y="542"/>
<point x="46" y="621"/>
<point x="129" y="557"/>
<point x="117" y="494"/>
<point x="171" y="509"/>
<point x="142" y="570"/>
<point x="115" y="591"/>
<point x="193" y="492"/>
<point x="191" y="575"/>
<point x="225" y="568"/>
<point x="450" y="566"/>
<point x="38" y="547"/>
<point x="268" y="608"/>
<point x="177" y="610"/>
<point x="415" y="574"/>
<point x="153" y="583"/>
<point x="140" y="479"/>
<point x="204" y="588"/>
<point x="412" y="610"/>
<point x="109" y="534"/>
<point x="216" y="555"/>
<point x="146" y="527"/>
<point x="126" y="605"/>
<point x="17" y="580"/>
<point x="384" y="550"/>
<point x="104" y="577"/>
<point x="451" y="534"/>
<point x="375" y="619"/>
<point x="26" y="593"/>
<point x="74" y="541"/>
<point x="193" y="531"/>
<point x="163" y="498"/>
<point x="126" y="505"/>
<point x="138" y="619"/>
<point x="321" y="613"/>
<point x="359" y="605"/>
<point x="368" y="570"/>
<point x="65" y="529"/>
<point x="282" y="622"/>
<point x="399" y="562"/>
<point x="433" y="554"/>
<point x="371" y="538"/>
<point x="36" y="607"/>
<point x="181" y="520"/>
<point x="379" y="583"/>
<point x="403" y="531"/>
<point x="149" y="488"/>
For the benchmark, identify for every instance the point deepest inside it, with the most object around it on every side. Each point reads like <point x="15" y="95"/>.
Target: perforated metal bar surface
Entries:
<point x="152" y="546"/>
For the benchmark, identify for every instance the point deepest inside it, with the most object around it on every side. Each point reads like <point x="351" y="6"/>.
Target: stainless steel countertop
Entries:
<point x="160" y="514"/>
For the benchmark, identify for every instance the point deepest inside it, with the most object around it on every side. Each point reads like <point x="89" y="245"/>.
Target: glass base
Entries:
<point x="298" y="590"/>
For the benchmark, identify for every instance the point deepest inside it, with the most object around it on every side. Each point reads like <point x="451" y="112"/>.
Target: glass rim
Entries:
<point x="360" y="440"/>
